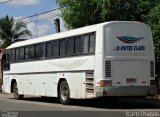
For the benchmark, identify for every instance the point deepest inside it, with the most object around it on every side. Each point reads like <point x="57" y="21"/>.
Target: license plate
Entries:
<point x="131" y="80"/>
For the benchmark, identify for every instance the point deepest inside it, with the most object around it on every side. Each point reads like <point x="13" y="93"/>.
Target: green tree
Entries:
<point x="11" y="31"/>
<point x="153" y="19"/>
<point x="78" y="13"/>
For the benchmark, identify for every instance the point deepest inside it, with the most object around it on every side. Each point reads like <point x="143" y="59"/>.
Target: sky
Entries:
<point x="24" y="8"/>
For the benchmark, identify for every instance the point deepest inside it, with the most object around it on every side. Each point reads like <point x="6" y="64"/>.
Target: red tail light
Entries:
<point x="103" y="83"/>
<point x="152" y="82"/>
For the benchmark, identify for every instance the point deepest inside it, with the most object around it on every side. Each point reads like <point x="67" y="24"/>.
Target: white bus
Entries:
<point x="108" y="59"/>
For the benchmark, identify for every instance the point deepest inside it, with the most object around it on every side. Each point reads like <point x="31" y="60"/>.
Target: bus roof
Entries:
<point x="74" y="32"/>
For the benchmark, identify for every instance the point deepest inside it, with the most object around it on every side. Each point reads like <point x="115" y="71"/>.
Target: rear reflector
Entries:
<point x="152" y="82"/>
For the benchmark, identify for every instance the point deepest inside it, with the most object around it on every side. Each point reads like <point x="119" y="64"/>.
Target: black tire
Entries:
<point x="64" y="94"/>
<point x="15" y="92"/>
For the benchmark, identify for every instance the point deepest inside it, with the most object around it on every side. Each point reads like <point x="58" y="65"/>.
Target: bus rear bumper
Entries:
<point x="126" y="91"/>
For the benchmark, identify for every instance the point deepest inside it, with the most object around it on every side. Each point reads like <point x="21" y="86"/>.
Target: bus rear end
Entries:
<point x="129" y="65"/>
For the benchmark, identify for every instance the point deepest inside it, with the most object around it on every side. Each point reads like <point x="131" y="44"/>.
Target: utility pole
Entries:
<point x="57" y="25"/>
<point x="36" y="25"/>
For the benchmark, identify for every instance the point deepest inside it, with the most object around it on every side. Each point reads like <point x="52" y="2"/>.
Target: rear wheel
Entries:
<point x="64" y="93"/>
<point x="15" y="92"/>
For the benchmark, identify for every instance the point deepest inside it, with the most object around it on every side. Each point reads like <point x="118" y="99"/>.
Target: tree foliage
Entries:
<point x="11" y="31"/>
<point x="153" y="19"/>
<point x="78" y="13"/>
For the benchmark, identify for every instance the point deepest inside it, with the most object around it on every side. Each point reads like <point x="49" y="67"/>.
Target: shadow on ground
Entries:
<point x="106" y="103"/>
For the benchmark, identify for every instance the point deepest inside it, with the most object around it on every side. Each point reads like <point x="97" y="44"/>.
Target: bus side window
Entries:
<point x="17" y="55"/>
<point x="55" y="48"/>
<point x="85" y="44"/>
<point x="21" y="54"/>
<point x="91" y="43"/>
<point x="70" y="46"/>
<point x="42" y="50"/>
<point x="7" y="60"/>
<point x="37" y="51"/>
<point x="49" y="49"/>
<point x="26" y="53"/>
<point x="13" y="54"/>
<point x="62" y="47"/>
<point x="32" y="52"/>
<point x="78" y="45"/>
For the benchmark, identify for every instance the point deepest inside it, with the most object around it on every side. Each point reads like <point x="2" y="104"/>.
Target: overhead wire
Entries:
<point x="37" y="14"/>
<point x="45" y="18"/>
<point x="6" y="1"/>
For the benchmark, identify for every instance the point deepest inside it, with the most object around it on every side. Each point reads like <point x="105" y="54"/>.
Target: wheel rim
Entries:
<point x="64" y="93"/>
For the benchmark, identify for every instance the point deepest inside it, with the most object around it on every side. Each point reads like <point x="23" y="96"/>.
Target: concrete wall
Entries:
<point x="1" y="68"/>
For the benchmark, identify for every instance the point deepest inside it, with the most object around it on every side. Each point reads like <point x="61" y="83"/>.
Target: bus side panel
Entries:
<point x="22" y="82"/>
<point x="51" y="84"/>
<point x="46" y="84"/>
<point x="36" y="85"/>
<point x="42" y="85"/>
<point x="6" y="84"/>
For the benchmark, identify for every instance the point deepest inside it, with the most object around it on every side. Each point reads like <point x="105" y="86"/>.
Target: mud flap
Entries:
<point x="99" y="91"/>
